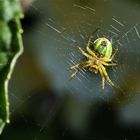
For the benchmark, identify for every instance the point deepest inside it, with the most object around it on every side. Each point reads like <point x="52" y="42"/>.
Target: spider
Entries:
<point x="99" y="55"/>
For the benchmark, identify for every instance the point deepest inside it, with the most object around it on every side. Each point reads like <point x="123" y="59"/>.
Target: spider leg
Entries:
<point x="105" y="59"/>
<point x="109" y="59"/>
<point x="113" y="55"/>
<point x="77" y="69"/>
<point x="89" y="41"/>
<point x="73" y="67"/>
<point x="84" y="53"/>
<point x="87" y="47"/>
<point x="77" y="65"/>
<point x="73" y="74"/>
<point x="108" y="64"/>
<point x="103" y="79"/>
<point x="106" y="75"/>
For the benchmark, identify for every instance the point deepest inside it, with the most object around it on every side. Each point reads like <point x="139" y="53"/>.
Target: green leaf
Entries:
<point x="5" y="36"/>
<point x="10" y="49"/>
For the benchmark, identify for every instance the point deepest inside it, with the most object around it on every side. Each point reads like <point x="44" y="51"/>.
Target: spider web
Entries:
<point x="55" y="49"/>
<point x="67" y="34"/>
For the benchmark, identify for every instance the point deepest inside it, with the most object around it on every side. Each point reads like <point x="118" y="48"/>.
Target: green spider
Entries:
<point x="98" y="58"/>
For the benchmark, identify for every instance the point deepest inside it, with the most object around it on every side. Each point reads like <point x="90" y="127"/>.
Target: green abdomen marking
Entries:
<point x="103" y="46"/>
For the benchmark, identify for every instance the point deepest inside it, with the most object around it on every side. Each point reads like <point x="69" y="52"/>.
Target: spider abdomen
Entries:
<point x="103" y="47"/>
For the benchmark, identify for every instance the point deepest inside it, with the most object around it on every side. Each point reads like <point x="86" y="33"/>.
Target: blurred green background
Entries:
<point x="44" y="104"/>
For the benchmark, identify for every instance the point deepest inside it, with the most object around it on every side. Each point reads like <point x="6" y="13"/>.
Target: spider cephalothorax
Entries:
<point x="99" y="55"/>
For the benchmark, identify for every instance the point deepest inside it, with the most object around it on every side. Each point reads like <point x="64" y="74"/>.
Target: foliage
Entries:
<point x="10" y="49"/>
